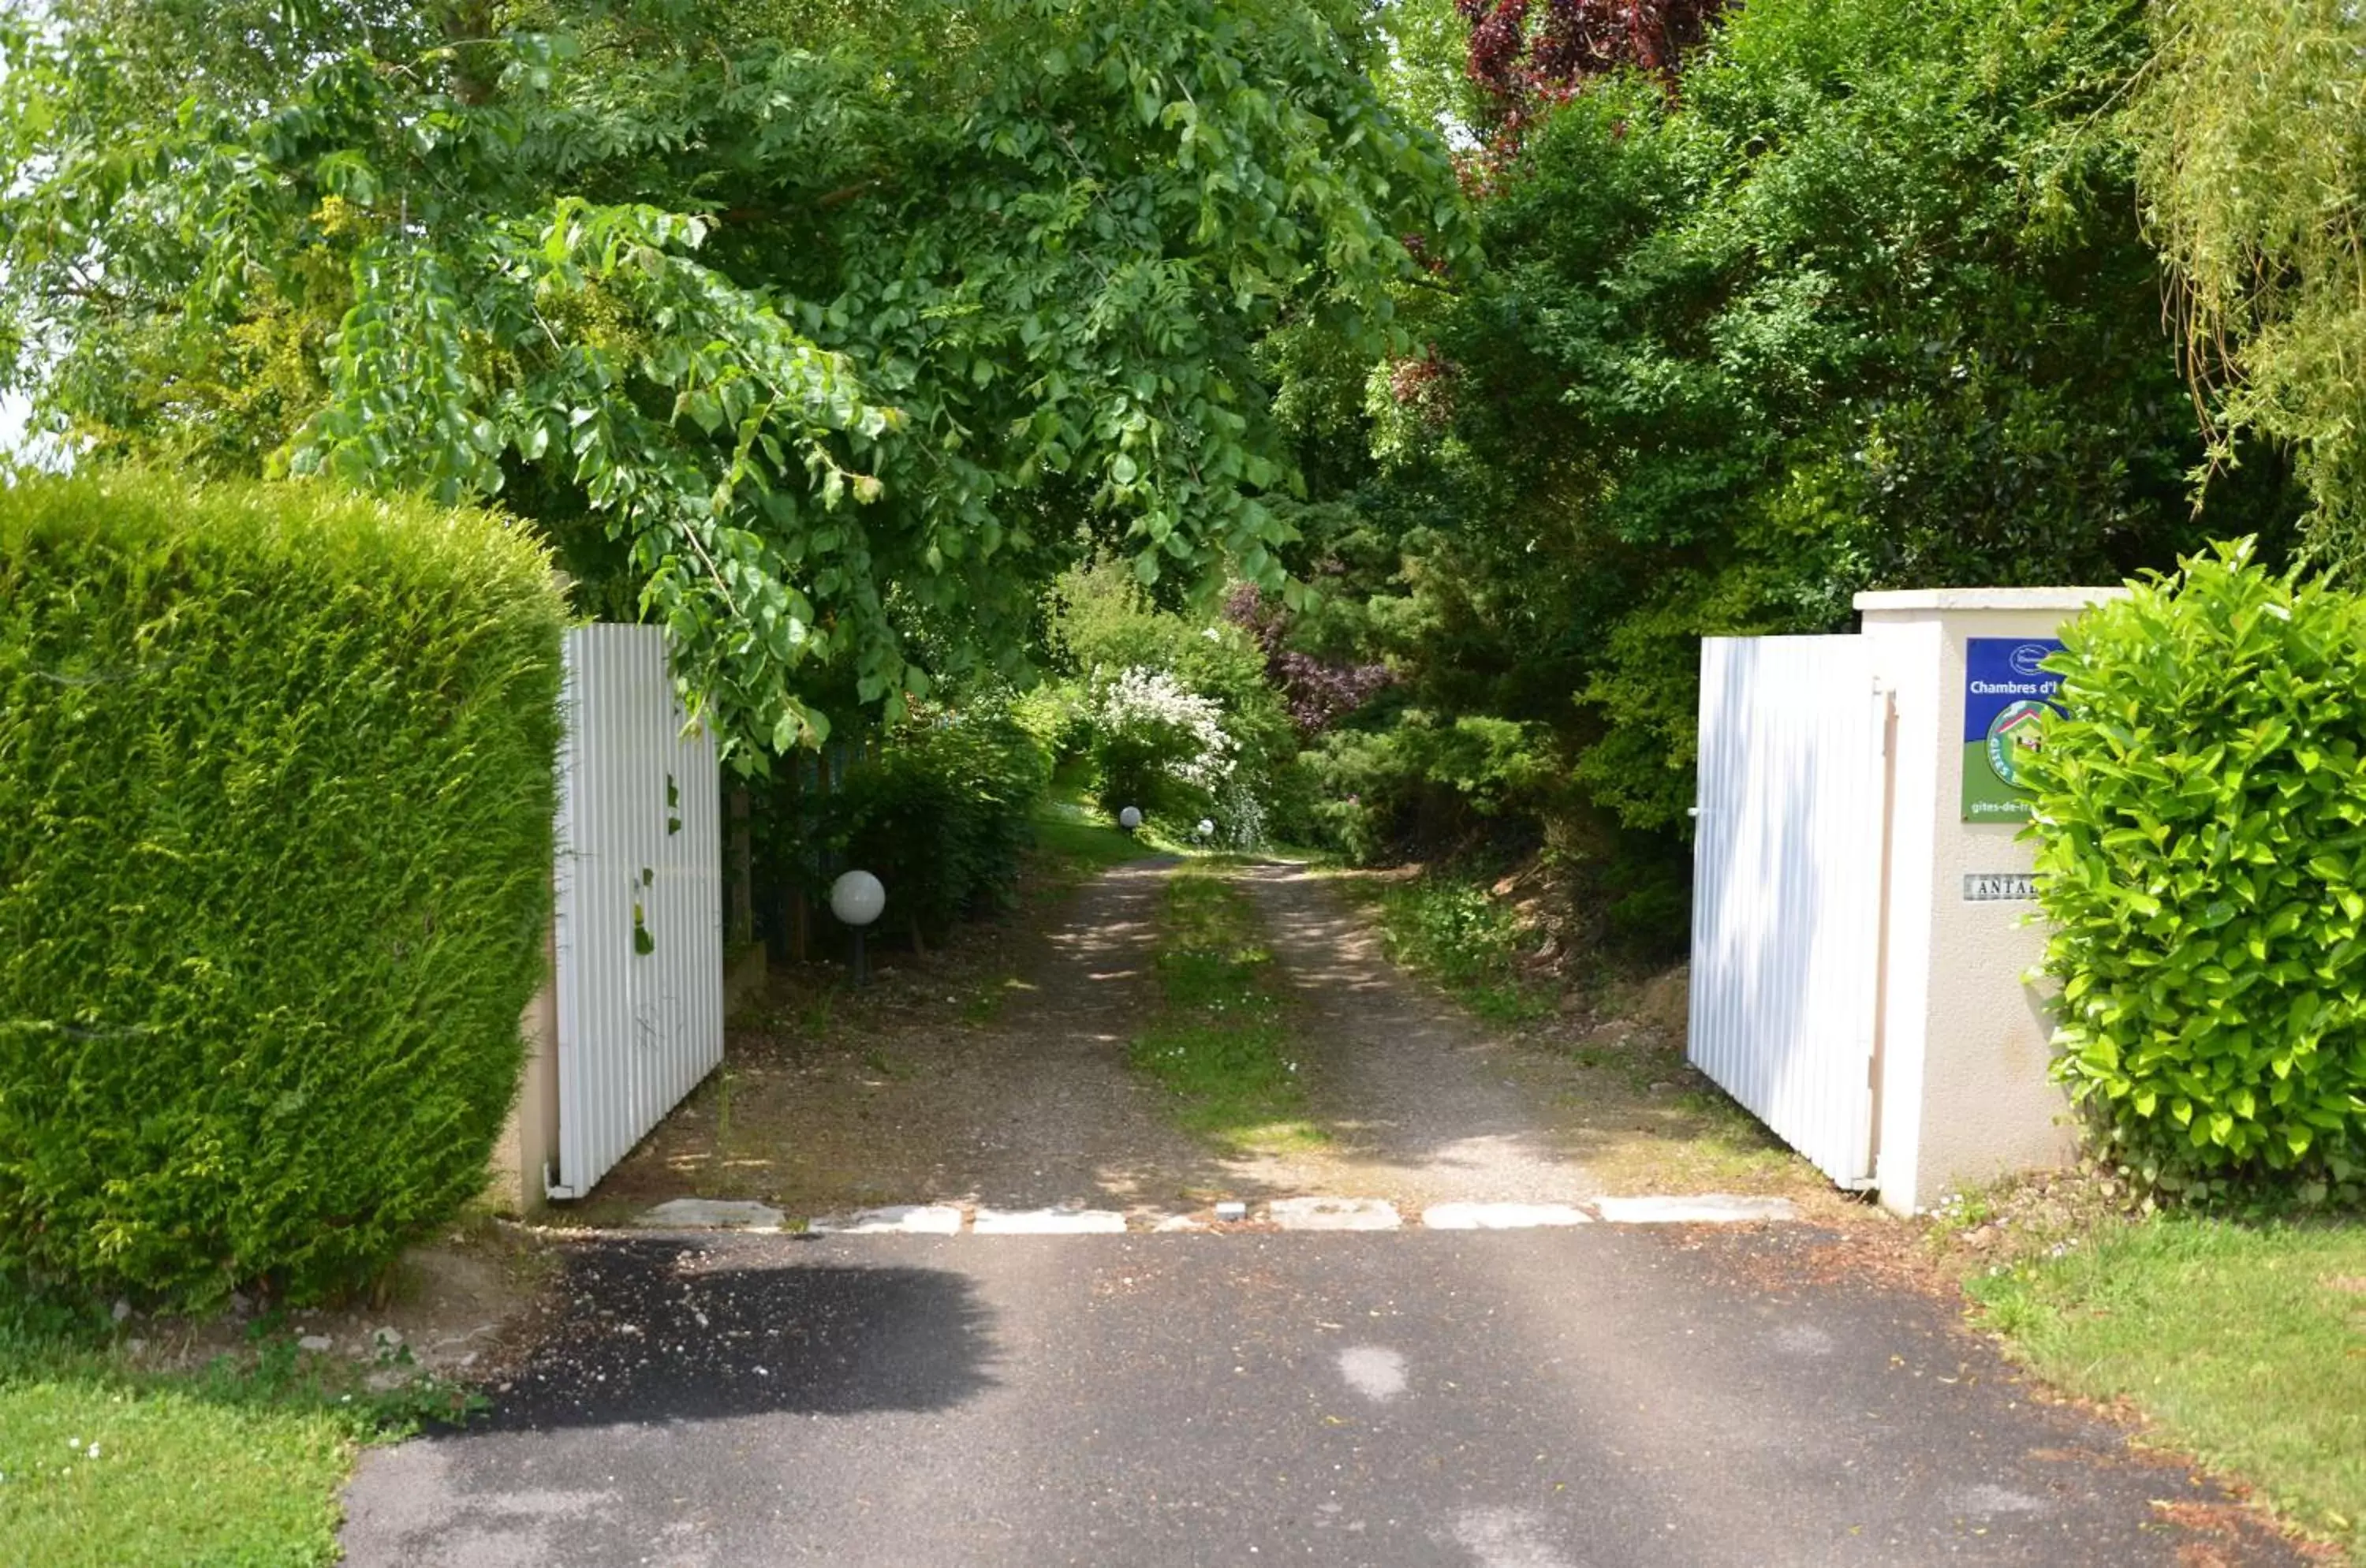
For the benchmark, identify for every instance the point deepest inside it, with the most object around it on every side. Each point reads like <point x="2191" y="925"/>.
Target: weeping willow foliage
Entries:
<point x="2253" y="164"/>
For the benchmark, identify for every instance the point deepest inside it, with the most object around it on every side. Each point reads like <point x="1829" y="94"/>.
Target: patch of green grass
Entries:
<point x="241" y="1463"/>
<point x="113" y="1477"/>
<point x="986" y="999"/>
<point x="1447" y="928"/>
<point x="888" y="1066"/>
<point x="1221" y="1042"/>
<point x="726" y="1077"/>
<point x="813" y="1018"/>
<point x="1073" y="840"/>
<point x="2247" y="1345"/>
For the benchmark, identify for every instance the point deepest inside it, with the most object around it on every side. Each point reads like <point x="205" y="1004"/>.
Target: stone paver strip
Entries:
<point x="1706" y="1208"/>
<point x="1501" y="1216"/>
<point x="1333" y="1214"/>
<point x="900" y="1219"/>
<point x="1048" y="1222"/>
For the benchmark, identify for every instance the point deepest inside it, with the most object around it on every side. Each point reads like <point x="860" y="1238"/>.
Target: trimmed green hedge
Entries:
<point x="2201" y="816"/>
<point x="276" y="794"/>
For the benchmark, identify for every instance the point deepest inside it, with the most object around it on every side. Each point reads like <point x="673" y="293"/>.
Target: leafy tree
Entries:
<point x="1422" y="72"/>
<point x="812" y="330"/>
<point x="2254" y="175"/>
<point x="1526" y="58"/>
<point x="1318" y="692"/>
<point x="1862" y="302"/>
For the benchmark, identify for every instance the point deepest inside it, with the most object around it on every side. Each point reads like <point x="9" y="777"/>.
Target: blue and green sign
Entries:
<point x="2006" y="695"/>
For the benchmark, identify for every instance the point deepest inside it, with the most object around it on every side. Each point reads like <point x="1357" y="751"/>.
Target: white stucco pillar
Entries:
<point x="1962" y="1051"/>
<point x="528" y="1148"/>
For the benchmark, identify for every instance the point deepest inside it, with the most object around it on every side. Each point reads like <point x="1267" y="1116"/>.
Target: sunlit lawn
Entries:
<point x="2246" y="1345"/>
<point x="104" y="1473"/>
<point x="238" y="1464"/>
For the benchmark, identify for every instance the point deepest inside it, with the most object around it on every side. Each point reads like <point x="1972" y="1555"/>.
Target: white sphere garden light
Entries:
<point x="1129" y="818"/>
<point x="1206" y="830"/>
<point x="857" y="898"/>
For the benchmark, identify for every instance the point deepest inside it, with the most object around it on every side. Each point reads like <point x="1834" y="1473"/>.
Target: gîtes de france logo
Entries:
<point x="2026" y="659"/>
<point x="2013" y="729"/>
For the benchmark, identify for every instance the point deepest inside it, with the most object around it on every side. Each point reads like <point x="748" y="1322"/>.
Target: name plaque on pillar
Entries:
<point x="2000" y="887"/>
<point x="2005" y="696"/>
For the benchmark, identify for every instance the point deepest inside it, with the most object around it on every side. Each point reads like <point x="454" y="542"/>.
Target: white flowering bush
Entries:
<point x="1240" y="814"/>
<point x="1157" y="744"/>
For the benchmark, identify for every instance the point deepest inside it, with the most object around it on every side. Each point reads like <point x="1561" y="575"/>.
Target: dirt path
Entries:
<point x="1422" y="1105"/>
<point x="994" y="1076"/>
<point x="1042" y="1108"/>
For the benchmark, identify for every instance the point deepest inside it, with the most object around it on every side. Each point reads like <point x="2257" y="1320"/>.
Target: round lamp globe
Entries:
<point x="1206" y="828"/>
<point x="857" y="898"/>
<point x="1129" y="818"/>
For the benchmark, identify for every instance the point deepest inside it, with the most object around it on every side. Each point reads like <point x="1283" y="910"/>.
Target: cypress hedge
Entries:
<point x="276" y="793"/>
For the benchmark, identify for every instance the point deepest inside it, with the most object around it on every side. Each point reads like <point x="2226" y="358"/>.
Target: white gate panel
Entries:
<point x="640" y="902"/>
<point x="1786" y="891"/>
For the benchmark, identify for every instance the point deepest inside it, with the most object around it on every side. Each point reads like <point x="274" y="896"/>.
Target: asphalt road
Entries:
<point x="1579" y="1398"/>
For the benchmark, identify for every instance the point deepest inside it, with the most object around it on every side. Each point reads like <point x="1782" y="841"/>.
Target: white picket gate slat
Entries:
<point x="1787" y="892"/>
<point x="639" y="829"/>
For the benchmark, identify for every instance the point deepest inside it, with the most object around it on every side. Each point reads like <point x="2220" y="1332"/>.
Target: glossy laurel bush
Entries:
<point x="2202" y="851"/>
<point x="276" y="773"/>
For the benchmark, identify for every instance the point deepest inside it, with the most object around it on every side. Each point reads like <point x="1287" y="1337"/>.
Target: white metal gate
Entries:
<point x="641" y="902"/>
<point x="1786" y="889"/>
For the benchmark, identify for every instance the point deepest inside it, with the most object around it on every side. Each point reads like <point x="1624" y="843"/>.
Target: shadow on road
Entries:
<point x="665" y="1330"/>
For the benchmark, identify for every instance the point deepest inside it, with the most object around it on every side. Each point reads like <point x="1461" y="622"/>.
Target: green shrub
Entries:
<point x="942" y="815"/>
<point x="1158" y="745"/>
<point x="1054" y="714"/>
<point x="1377" y="785"/>
<point x="276" y="793"/>
<point x="1178" y="716"/>
<point x="1648" y="903"/>
<point x="1448" y="926"/>
<point x="1102" y="619"/>
<point x="1362" y="779"/>
<point x="2201" y="829"/>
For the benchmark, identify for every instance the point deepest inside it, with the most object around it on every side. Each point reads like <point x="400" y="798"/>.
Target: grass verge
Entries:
<point x="2246" y="1345"/>
<point x="240" y="1461"/>
<point x="1220" y="1040"/>
<point x="1445" y="927"/>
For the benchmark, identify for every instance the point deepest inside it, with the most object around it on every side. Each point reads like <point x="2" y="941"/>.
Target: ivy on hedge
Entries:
<point x="2201" y="817"/>
<point x="276" y="792"/>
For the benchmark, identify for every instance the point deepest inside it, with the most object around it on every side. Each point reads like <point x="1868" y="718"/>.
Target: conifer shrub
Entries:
<point x="276" y="794"/>
<point x="2201" y="817"/>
